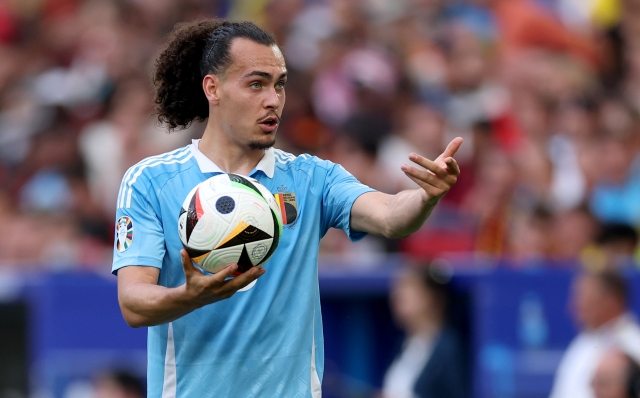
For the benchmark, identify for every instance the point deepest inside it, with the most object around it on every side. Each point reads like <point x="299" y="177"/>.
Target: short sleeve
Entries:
<point x="341" y="189"/>
<point x="139" y="235"/>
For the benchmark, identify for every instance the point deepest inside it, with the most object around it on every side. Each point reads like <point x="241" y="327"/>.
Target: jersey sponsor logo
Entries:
<point x="124" y="233"/>
<point x="288" y="207"/>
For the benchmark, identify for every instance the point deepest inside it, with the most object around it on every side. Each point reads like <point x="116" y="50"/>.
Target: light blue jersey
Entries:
<point x="265" y="341"/>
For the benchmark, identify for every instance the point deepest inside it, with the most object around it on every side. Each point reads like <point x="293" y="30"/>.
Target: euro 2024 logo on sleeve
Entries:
<point x="124" y="233"/>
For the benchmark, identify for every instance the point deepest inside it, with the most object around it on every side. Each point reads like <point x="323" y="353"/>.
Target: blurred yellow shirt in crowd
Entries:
<point x="606" y="13"/>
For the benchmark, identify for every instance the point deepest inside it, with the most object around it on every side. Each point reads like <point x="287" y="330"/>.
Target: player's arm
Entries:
<point x="396" y="216"/>
<point x="145" y="303"/>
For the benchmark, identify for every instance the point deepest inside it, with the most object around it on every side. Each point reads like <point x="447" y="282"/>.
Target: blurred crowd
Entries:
<point x="546" y="94"/>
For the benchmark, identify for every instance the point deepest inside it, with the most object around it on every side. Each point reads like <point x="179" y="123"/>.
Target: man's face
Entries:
<point x="592" y="304"/>
<point x="251" y="94"/>
<point x="410" y="300"/>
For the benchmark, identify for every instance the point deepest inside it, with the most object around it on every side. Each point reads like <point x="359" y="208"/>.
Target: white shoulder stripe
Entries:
<point x="150" y="159"/>
<point x="167" y="155"/>
<point x="139" y="172"/>
<point x="127" y="176"/>
<point x="129" y="187"/>
<point x="284" y="157"/>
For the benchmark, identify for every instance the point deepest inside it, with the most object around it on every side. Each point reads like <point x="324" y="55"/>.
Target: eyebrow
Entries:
<point x="265" y="75"/>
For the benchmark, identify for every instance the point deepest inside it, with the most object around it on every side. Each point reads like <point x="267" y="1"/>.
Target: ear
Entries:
<point x="211" y="87"/>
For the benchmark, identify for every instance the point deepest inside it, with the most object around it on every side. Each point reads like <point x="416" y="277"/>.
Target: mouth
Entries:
<point x="269" y="124"/>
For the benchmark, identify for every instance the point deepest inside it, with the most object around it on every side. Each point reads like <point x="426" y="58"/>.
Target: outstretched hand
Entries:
<point x="207" y="289"/>
<point x="440" y="174"/>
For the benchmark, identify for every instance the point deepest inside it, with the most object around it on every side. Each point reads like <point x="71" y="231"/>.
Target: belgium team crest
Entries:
<point x="288" y="206"/>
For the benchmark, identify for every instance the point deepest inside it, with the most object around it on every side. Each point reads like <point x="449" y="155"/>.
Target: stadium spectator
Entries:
<point x="572" y="231"/>
<point x="525" y="24"/>
<point x="617" y="376"/>
<point x="432" y="360"/>
<point x="599" y="301"/>
<point x="614" y="196"/>
<point x="615" y="247"/>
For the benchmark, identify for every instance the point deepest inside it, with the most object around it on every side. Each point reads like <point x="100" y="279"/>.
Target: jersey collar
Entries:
<point x="267" y="164"/>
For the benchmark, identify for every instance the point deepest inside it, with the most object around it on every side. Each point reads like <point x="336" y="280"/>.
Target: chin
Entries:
<point x="262" y="144"/>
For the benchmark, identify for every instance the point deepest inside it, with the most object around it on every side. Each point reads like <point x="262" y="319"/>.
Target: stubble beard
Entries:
<point x="260" y="144"/>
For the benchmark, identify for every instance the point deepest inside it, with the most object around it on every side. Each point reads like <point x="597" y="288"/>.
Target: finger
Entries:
<point x="452" y="166"/>
<point x="425" y="176"/>
<point x="187" y="264"/>
<point x="226" y="272"/>
<point x="428" y="164"/>
<point x="432" y="191"/>
<point x="452" y="148"/>
<point x="244" y="279"/>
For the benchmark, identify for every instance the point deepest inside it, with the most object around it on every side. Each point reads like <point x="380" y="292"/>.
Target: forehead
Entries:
<point x="247" y="56"/>
<point x="408" y="280"/>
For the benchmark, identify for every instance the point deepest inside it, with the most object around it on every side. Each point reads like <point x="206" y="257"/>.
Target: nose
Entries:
<point x="273" y="98"/>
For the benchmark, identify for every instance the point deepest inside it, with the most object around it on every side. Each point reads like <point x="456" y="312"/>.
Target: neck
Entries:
<point x="425" y="326"/>
<point x="231" y="156"/>
<point x="608" y="320"/>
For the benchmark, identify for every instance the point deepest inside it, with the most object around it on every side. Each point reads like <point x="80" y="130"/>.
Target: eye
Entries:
<point x="255" y="85"/>
<point x="280" y="85"/>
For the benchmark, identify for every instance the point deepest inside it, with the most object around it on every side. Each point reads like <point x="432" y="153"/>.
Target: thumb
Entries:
<point x="452" y="148"/>
<point x="187" y="265"/>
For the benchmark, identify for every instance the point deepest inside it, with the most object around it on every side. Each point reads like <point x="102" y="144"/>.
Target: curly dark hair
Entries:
<point x="193" y="50"/>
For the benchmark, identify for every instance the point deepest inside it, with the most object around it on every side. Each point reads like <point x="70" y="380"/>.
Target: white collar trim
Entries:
<point x="267" y="164"/>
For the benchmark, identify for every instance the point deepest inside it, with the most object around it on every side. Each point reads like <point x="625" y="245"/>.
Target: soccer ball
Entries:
<point x="229" y="219"/>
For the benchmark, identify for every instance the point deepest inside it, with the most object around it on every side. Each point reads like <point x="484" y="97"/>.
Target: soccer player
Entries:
<point x="211" y="336"/>
<point x="599" y="301"/>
